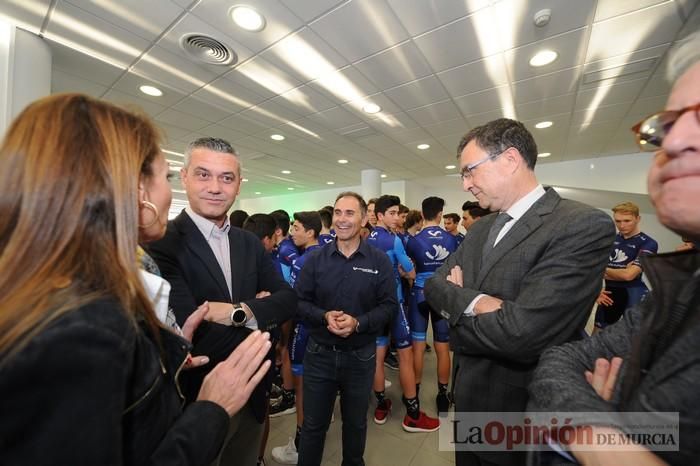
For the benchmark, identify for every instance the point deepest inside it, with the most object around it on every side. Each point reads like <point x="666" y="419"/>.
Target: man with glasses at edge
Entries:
<point x="659" y="339"/>
<point x="524" y="279"/>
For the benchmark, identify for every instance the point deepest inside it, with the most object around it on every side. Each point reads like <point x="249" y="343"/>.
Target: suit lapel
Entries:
<point x="523" y="228"/>
<point x="195" y="242"/>
<point x="236" y="251"/>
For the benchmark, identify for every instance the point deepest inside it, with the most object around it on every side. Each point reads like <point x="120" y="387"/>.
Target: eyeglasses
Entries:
<point x="468" y="171"/>
<point x="652" y="130"/>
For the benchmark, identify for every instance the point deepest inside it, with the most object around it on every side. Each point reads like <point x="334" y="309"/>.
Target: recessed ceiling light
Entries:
<point x="151" y="90"/>
<point x="543" y="124"/>
<point x="290" y="189"/>
<point x="423" y="146"/>
<point x="286" y="172"/>
<point x="450" y="167"/>
<point x="372" y="108"/>
<point x="258" y="192"/>
<point x="247" y="18"/>
<point x="383" y="175"/>
<point x="245" y="180"/>
<point x="277" y="137"/>
<point x="544" y="154"/>
<point x="342" y="161"/>
<point x="330" y="182"/>
<point x="544" y="57"/>
<point x="592" y="166"/>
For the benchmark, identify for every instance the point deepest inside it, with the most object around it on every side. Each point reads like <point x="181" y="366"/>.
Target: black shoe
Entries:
<point x="428" y="348"/>
<point x="275" y="394"/>
<point x="391" y="362"/>
<point x="285" y="406"/>
<point x="443" y="402"/>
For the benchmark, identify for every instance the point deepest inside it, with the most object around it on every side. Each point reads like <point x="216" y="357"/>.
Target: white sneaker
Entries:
<point x="286" y="454"/>
<point x="387" y="383"/>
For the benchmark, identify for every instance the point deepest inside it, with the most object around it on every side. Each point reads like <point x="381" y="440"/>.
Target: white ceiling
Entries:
<point x="435" y="67"/>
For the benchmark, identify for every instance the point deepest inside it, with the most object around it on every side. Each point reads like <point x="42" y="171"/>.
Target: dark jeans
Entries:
<point x="327" y="370"/>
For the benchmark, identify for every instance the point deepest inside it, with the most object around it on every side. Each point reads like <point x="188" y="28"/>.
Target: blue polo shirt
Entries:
<point x="361" y="285"/>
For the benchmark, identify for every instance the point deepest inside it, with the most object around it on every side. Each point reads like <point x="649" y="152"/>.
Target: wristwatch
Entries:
<point x="238" y="316"/>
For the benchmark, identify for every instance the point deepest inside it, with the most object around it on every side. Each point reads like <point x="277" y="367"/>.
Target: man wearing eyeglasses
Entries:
<point x="659" y="339"/>
<point x="524" y="279"/>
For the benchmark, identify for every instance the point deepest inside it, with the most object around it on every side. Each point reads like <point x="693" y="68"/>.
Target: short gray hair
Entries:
<point x="214" y="144"/>
<point x="684" y="54"/>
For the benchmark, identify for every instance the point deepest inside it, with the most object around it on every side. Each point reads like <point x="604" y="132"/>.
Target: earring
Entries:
<point x="149" y="206"/>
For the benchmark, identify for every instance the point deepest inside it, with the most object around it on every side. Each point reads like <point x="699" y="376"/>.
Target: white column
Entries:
<point x="371" y="183"/>
<point x="25" y="71"/>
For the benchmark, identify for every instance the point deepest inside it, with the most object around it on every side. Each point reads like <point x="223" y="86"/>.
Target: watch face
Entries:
<point x="238" y="316"/>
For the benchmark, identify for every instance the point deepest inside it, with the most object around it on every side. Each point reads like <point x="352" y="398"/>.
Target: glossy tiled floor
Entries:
<point x="388" y="444"/>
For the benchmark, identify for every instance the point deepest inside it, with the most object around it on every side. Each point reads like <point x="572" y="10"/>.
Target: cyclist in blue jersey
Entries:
<point x="428" y="250"/>
<point x="400" y="229"/>
<point x="286" y="252"/>
<point x="451" y="222"/>
<point x="304" y="234"/>
<point x="471" y="212"/>
<point x="624" y="287"/>
<point x="263" y="226"/>
<point x="326" y="236"/>
<point x="387" y="211"/>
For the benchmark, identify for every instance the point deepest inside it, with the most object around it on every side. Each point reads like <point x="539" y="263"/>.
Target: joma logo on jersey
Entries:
<point x="435" y="233"/>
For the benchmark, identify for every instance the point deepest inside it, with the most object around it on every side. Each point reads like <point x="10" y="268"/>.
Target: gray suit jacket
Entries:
<point x="547" y="270"/>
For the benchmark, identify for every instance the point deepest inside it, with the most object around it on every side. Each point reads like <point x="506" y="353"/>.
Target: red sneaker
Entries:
<point x="381" y="413"/>
<point x="424" y="423"/>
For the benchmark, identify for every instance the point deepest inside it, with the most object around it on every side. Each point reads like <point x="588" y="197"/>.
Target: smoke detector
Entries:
<point x="542" y="17"/>
<point x="206" y="49"/>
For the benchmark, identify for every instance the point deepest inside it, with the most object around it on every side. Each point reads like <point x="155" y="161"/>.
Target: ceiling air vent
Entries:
<point x="208" y="50"/>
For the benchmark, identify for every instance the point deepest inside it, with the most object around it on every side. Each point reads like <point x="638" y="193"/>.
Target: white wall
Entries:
<point x="611" y="180"/>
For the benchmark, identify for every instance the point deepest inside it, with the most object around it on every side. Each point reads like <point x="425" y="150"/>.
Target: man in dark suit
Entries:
<point x="524" y="279"/>
<point x="206" y="259"/>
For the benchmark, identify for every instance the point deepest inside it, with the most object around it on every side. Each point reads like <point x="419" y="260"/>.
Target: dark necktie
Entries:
<point x="501" y="220"/>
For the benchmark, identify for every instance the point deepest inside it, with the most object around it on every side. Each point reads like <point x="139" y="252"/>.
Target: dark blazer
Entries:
<point x="548" y="270"/>
<point x="95" y="388"/>
<point x="188" y="263"/>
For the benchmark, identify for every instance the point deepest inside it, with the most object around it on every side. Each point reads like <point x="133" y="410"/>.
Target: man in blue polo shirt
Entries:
<point x="428" y="250"/>
<point x="624" y="287"/>
<point x="346" y="296"/>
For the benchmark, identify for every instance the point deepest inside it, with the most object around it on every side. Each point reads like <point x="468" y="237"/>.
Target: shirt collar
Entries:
<point x="518" y="209"/>
<point x="362" y="249"/>
<point x="206" y="226"/>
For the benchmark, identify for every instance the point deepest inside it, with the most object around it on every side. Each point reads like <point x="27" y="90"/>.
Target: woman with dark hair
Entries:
<point x="88" y="373"/>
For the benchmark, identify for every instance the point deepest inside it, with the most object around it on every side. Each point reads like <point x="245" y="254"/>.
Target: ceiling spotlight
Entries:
<point x="245" y="180"/>
<point x="383" y="175"/>
<point x="330" y="182"/>
<point x="543" y="124"/>
<point x="545" y="57"/>
<point x="151" y="90"/>
<point x="423" y="146"/>
<point x="371" y="108"/>
<point x="592" y="166"/>
<point x="247" y="18"/>
<point x="258" y="192"/>
<point x="277" y="137"/>
<point x="450" y="167"/>
<point x="286" y="172"/>
<point x="342" y="161"/>
<point x="544" y="154"/>
<point x="290" y="189"/>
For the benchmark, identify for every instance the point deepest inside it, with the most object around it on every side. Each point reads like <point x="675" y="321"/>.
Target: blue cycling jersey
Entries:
<point x="388" y="242"/>
<point x="299" y="262"/>
<point x="287" y="252"/>
<point x="325" y="238"/>
<point x="429" y="249"/>
<point x="629" y="251"/>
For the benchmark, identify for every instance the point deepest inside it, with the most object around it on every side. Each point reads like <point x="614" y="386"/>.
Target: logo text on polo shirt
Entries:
<point x="362" y="269"/>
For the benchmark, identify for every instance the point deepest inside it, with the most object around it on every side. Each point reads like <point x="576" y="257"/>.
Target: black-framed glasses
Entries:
<point x="652" y="130"/>
<point x="468" y="171"/>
